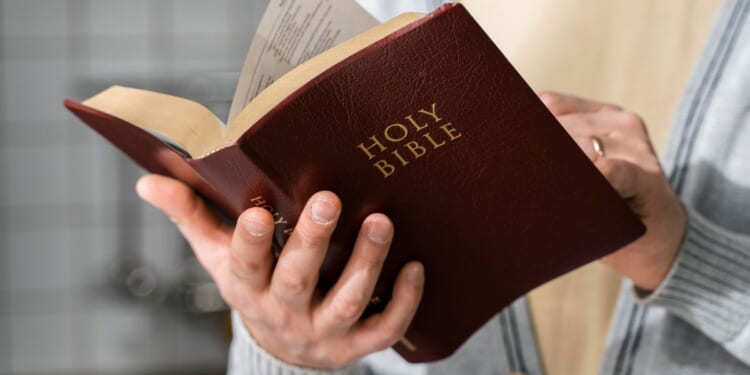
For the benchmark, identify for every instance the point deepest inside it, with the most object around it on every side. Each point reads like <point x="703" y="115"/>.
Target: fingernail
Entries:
<point x="324" y="211"/>
<point x="379" y="232"/>
<point x="256" y="228"/>
<point x="414" y="275"/>
<point x="141" y="188"/>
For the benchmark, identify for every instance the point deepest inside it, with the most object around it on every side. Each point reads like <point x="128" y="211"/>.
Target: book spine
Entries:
<point x="148" y="151"/>
<point x="245" y="182"/>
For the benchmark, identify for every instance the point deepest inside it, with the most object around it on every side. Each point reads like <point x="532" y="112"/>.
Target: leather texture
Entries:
<point x="505" y="207"/>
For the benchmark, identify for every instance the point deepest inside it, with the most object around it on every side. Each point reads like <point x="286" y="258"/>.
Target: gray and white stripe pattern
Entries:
<point x="708" y="286"/>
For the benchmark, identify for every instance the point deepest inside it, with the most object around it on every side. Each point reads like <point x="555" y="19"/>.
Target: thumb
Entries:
<point x="198" y="224"/>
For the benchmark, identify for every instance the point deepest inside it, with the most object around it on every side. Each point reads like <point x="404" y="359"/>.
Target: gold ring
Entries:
<point x="598" y="146"/>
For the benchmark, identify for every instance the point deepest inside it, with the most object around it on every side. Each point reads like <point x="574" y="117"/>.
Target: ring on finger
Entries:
<point x="598" y="146"/>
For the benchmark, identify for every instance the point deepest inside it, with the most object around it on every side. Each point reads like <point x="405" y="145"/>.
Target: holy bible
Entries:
<point x="421" y="118"/>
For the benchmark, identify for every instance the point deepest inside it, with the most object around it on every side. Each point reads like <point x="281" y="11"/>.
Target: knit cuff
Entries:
<point x="247" y="357"/>
<point x="709" y="283"/>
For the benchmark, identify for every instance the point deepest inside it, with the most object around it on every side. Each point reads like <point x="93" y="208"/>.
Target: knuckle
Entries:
<point x="549" y="96"/>
<point x="242" y="265"/>
<point x="389" y="336"/>
<point x="292" y="282"/>
<point x="633" y="121"/>
<point x="346" y="309"/>
<point x="577" y="121"/>
<point x="312" y="236"/>
<point x="553" y="101"/>
<point x="642" y="147"/>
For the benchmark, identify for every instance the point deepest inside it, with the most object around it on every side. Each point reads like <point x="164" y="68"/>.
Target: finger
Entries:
<point x="296" y="272"/>
<point x="204" y="231"/>
<point x="382" y="330"/>
<point x="597" y="123"/>
<point x="633" y="150"/>
<point x="628" y="179"/>
<point x="583" y="123"/>
<point x="346" y="301"/>
<point x="586" y="144"/>
<point x="562" y="104"/>
<point x="251" y="258"/>
<point x="609" y="124"/>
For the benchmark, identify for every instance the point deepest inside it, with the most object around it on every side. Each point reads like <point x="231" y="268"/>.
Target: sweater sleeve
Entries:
<point x="709" y="285"/>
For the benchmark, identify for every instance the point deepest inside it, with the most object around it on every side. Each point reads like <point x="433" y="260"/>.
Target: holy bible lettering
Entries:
<point x="278" y="220"/>
<point x="406" y="143"/>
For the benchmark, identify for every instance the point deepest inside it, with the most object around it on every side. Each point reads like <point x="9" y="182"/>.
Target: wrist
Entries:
<point x="263" y="344"/>
<point x="247" y="349"/>
<point x="656" y="267"/>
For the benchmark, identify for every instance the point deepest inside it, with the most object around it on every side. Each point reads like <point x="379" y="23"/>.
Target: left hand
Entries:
<point x="631" y="166"/>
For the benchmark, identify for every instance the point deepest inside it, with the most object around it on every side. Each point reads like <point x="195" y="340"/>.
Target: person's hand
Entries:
<point x="278" y="301"/>
<point x="629" y="163"/>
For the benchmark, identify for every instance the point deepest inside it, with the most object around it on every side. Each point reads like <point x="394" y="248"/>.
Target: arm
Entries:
<point x="709" y="285"/>
<point x="282" y="325"/>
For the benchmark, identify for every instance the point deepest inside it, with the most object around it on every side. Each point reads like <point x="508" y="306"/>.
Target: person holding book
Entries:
<point x="686" y="308"/>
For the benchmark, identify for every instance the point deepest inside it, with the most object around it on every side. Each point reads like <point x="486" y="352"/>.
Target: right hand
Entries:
<point x="278" y="303"/>
<point x="632" y="168"/>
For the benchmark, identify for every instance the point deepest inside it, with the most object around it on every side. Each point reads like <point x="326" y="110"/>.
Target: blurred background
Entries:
<point x="91" y="279"/>
<point x="94" y="281"/>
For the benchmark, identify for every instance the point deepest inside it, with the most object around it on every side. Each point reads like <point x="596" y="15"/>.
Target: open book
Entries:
<point x="421" y="118"/>
<point x="289" y="34"/>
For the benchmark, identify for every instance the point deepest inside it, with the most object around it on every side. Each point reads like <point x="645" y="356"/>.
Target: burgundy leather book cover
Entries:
<point x="433" y="127"/>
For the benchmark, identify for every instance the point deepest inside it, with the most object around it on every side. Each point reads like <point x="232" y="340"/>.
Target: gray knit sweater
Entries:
<point x="698" y="321"/>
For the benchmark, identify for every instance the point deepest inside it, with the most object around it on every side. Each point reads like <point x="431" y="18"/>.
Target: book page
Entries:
<point x="290" y="33"/>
